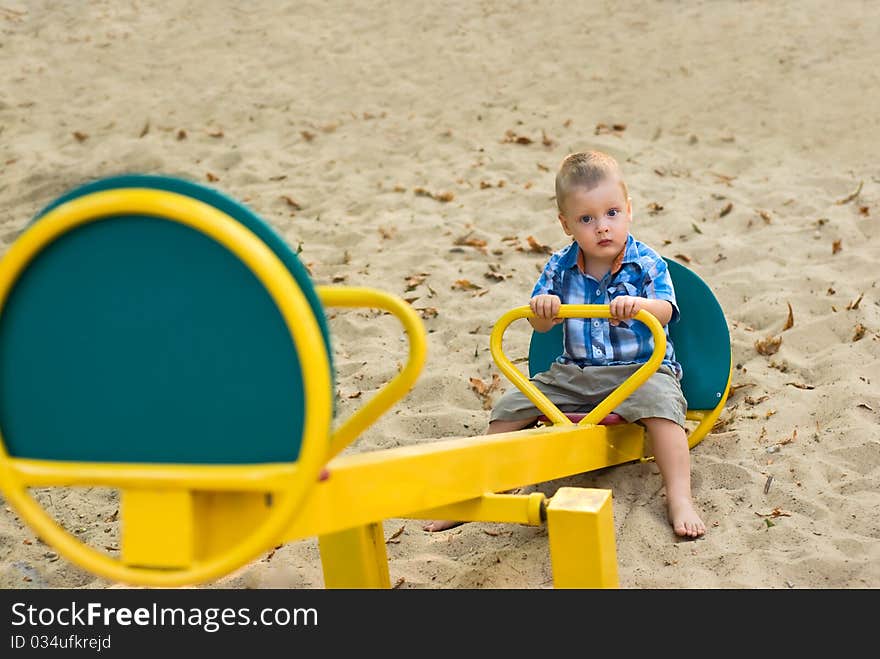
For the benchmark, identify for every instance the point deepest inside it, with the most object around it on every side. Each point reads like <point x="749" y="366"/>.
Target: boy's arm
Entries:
<point x="545" y="302"/>
<point x="660" y="309"/>
<point x="658" y="288"/>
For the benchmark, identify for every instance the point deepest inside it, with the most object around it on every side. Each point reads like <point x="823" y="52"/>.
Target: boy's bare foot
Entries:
<point x="685" y="520"/>
<point x="440" y="525"/>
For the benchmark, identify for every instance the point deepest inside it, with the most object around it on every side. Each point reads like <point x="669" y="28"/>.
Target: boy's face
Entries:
<point x="598" y="219"/>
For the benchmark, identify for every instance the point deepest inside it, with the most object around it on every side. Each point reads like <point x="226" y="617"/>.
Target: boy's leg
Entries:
<point x="672" y="455"/>
<point x="496" y="426"/>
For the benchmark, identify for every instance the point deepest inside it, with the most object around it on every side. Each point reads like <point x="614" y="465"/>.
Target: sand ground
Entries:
<point x="412" y="146"/>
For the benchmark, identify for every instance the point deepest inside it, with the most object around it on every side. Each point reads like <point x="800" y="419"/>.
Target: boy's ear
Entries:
<point x="564" y="225"/>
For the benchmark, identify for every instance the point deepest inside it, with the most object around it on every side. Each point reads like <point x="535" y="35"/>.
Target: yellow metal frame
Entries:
<point x="577" y="311"/>
<point x="289" y="483"/>
<point x="705" y="418"/>
<point x="400" y="385"/>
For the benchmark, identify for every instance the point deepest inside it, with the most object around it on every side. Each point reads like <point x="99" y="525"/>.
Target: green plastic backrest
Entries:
<point x="701" y="339"/>
<point x="138" y="340"/>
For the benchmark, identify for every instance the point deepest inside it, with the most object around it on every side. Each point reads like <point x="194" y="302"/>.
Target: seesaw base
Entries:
<point x="580" y="527"/>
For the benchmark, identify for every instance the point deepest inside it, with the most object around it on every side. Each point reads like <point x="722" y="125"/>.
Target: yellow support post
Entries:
<point x="147" y="517"/>
<point x="221" y="518"/>
<point x="355" y="558"/>
<point x="580" y="526"/>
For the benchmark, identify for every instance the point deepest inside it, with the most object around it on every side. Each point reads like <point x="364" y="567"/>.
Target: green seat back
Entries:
<point x="139" y="340"/>
<point x="701" y="339"/>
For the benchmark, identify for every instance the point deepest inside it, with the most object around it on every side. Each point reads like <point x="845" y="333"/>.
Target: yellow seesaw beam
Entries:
<point x="455" y="479"/>
<point x="412" y="481"/>
<point x="416" y="481"/>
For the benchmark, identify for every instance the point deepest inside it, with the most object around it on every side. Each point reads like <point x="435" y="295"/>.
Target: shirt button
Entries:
<point x="595" y="323"/>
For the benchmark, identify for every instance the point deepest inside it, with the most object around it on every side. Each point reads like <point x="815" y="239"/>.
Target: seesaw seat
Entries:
<point x="153" y="342"/>
<point x="116" y="322"/>
<point x="702" y="346"/>
<point x="575" y="417"/>
<point x="159" y="338"/>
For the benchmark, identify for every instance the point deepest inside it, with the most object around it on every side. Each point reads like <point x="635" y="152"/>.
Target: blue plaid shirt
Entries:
<point x="595" y="341"/>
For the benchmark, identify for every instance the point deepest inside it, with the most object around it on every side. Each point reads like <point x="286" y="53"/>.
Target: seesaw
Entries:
<point x="159" y="338"/>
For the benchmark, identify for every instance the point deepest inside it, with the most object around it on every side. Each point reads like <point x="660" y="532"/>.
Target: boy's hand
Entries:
<point x="546" y="307"/>
<point x="625" y="307"/>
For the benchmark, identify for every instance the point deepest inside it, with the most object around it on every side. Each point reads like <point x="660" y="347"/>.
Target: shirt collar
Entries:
<point x="574" y="256"/>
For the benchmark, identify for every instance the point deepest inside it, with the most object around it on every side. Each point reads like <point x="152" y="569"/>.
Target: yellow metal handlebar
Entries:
<point x="541" y="401"/>
<point x="398" y="387"/>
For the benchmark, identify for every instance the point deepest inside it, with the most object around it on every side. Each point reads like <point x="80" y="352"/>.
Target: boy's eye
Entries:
<point x="586" y="218"/>
<point x="613" y="212"/>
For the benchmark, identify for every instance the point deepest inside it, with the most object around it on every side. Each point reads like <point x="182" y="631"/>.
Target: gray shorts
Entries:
<point x="576" y="389"/>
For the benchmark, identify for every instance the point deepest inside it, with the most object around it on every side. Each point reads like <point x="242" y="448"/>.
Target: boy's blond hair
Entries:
<point x="586" y="169"/>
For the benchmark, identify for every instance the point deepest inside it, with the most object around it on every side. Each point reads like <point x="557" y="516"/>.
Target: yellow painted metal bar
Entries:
<point x="355" y="558"/>
<point x="580" y="528"/>
<point x="496" y="340"/>
<point x="395" y="482"/>
<point x="304" y="331"/>
<point x="576" y="311"/>
<point x="257" y="477"/>
<point x="400" y="385"/>
<point x="512" y="508"/>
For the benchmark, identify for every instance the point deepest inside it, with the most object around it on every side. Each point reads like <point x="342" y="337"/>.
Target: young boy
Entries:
<point x="604" y="264"/>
